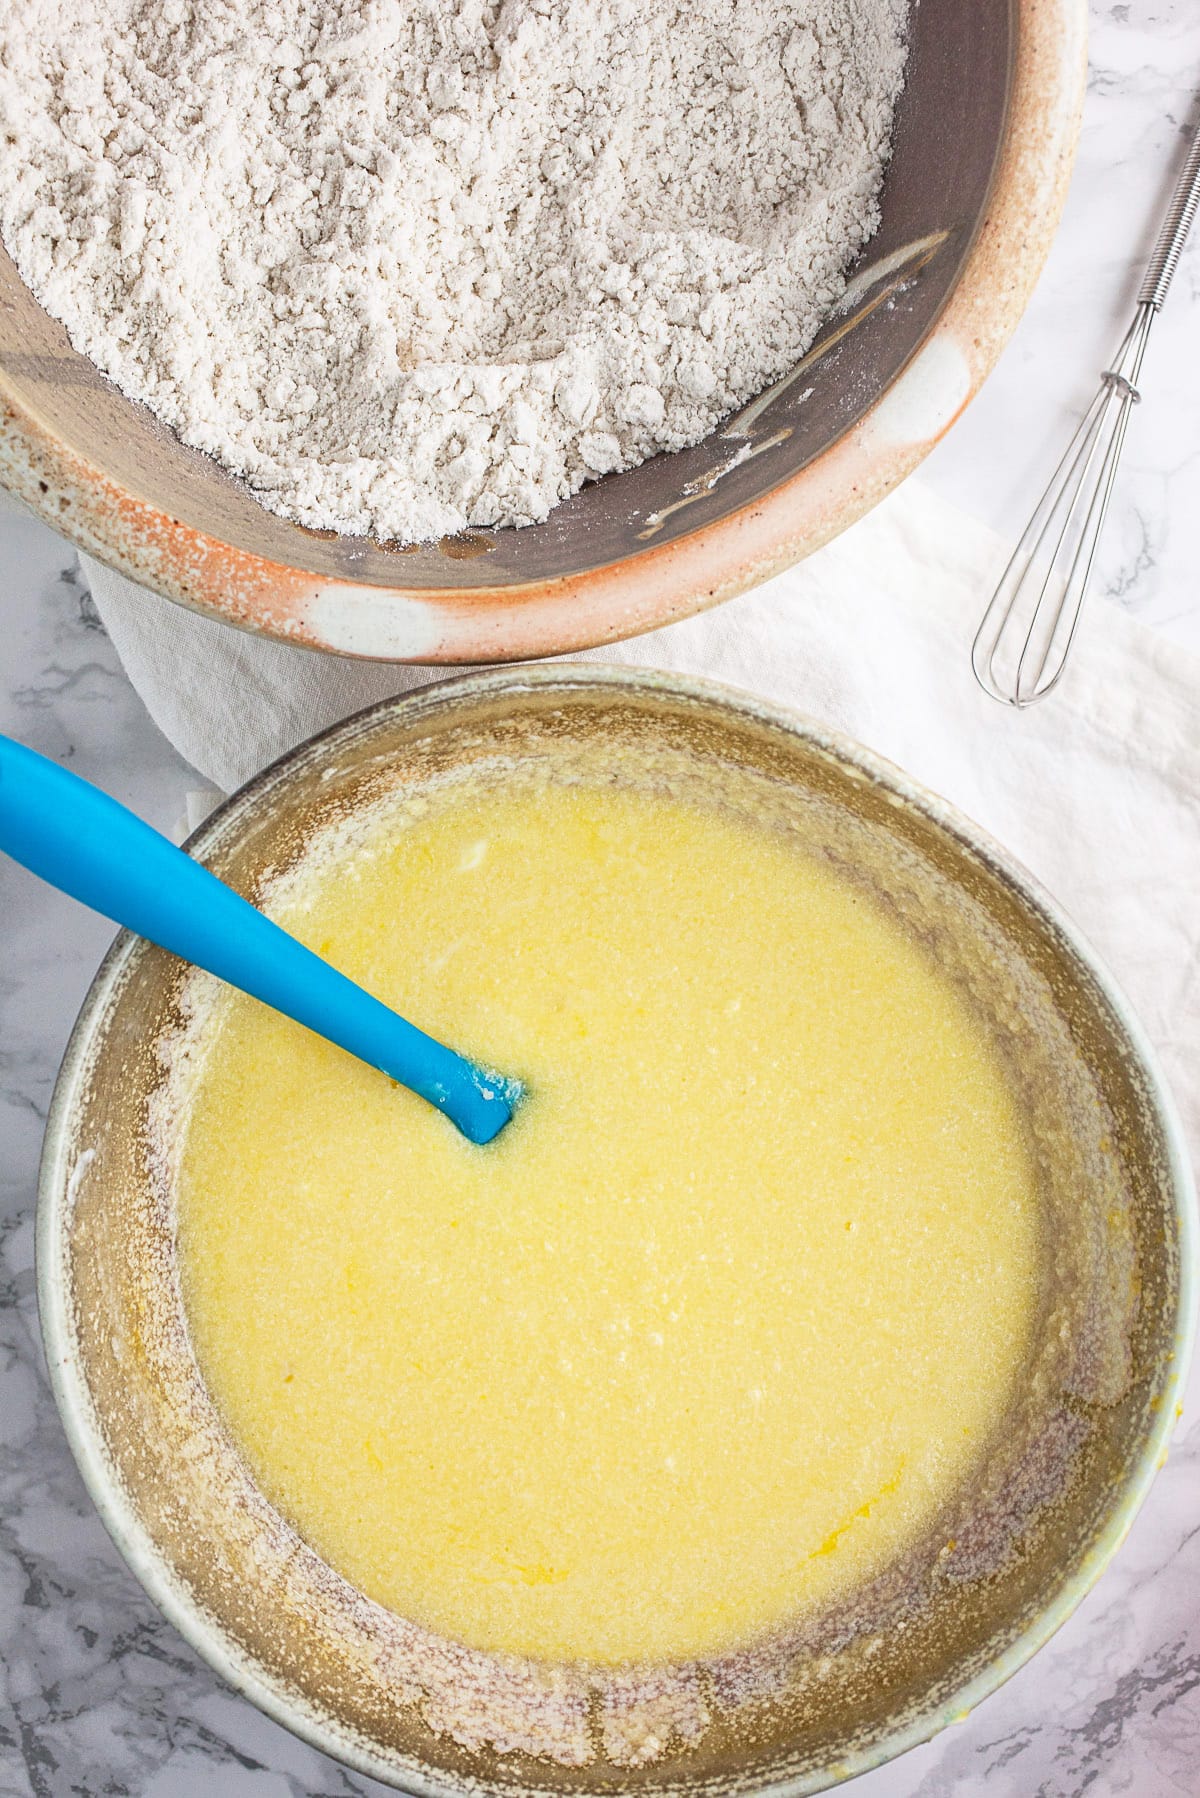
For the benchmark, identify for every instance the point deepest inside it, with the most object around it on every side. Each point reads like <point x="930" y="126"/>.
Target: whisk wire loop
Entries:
<point x="1024" y="638"/>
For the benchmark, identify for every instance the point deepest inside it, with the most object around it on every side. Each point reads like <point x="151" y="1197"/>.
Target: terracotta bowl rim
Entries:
<point x="657" y="584"/>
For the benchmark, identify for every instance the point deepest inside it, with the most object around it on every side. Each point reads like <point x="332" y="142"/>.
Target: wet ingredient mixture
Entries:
<point x="412" y="267"/>
<point x="711" y="1332"/>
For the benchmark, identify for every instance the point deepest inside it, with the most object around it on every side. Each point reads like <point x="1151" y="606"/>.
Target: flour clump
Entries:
<point x="410" y="266"/>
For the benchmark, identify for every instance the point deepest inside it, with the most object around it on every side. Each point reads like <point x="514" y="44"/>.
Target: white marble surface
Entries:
<point x="97" y="1694"/>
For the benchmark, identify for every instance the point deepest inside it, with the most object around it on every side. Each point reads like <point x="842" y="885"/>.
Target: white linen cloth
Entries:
<point x="1097" y="790"/>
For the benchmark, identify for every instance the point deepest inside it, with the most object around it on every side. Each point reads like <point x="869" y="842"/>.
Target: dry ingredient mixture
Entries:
<point x="414" y="265"/>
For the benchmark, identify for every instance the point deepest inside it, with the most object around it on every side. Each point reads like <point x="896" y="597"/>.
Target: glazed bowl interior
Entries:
<point x="1053" y="1493"/>
<point x="104" y="470"/>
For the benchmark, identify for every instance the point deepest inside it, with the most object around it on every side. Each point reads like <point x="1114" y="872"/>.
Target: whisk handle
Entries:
<point x="1180" y="216"/>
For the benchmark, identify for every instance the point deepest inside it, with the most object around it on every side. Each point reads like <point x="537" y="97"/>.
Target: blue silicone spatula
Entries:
<point x="87" y="845"/>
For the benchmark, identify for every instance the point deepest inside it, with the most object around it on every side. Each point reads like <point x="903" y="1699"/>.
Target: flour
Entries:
<point x="413" y="265"/>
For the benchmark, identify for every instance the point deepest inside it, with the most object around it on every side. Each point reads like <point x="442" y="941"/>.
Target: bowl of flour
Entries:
<point x="495" y="328"/>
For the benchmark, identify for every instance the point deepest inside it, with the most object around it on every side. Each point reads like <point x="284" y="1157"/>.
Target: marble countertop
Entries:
<point x="98" y="1695"/>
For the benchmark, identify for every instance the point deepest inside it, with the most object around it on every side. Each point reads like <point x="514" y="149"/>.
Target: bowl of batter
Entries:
<point x="769" y="1390"/>
<point x="486" y="331"/>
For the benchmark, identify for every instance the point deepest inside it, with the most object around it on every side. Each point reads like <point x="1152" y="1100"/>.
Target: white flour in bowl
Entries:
<point x="414" y="265"/>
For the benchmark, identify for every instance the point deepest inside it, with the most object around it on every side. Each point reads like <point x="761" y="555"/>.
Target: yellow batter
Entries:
<point x="710" y="1332"/>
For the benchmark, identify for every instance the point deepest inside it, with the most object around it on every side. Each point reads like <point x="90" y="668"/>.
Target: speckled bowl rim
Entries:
<point x="654" y="585"/>
<point x="67" y="1377"/>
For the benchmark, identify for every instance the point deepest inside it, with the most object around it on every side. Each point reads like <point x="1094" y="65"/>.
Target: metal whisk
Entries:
<point x="1025" y="636"/>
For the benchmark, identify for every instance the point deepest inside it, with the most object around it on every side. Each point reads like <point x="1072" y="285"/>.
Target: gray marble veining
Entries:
<point x="98" y="1695"/>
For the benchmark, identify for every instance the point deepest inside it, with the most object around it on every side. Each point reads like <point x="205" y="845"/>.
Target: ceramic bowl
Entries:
<point x="984" y="140"/>
<point x="1054" y="1492"/>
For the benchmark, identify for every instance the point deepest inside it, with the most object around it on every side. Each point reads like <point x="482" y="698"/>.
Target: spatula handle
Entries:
<point x="86" y="844"/>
